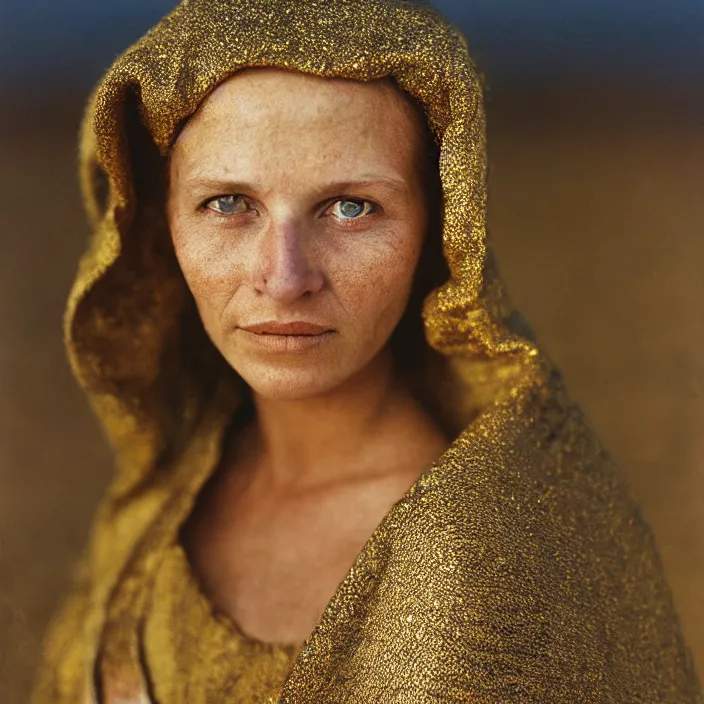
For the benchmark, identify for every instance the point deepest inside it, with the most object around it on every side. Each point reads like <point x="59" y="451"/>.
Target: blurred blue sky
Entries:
<point x="511" y="39"/>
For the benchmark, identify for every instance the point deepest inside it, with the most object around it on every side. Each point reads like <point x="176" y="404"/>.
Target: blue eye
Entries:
<point x="351" y="209"/>
<point x="227" y="205"/>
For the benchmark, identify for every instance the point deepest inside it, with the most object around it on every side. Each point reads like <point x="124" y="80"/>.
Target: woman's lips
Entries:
<point x="295" y="328"/>
<point x="285" y="337"/>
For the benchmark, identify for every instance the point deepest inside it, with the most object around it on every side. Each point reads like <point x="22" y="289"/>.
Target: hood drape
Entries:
<point x="127" y="304"/>
<point x="517" y="568"/>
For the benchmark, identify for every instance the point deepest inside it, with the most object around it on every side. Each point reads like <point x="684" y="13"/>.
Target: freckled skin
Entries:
<point x="337" y="437"/>
<point x="289" y="261"/>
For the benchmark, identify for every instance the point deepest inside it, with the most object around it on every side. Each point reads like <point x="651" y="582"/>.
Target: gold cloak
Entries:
<point x="517" y="568"/>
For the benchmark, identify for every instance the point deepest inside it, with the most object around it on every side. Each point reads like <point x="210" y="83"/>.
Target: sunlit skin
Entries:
<point x="310" y="212"/>
<point x="298" y="201"/>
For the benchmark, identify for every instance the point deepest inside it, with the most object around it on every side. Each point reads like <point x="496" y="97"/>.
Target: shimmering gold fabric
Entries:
<point x="516" y="569"/>
<point x="162" y="635"/>
<point x="195" y="655"/>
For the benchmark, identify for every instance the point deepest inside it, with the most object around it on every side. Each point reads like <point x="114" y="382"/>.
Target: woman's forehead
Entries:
<point x="270" y="116"/>
<point x="263" y="88"/>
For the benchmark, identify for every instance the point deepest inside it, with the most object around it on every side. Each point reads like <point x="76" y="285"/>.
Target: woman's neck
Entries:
<point x="341" y="434"/>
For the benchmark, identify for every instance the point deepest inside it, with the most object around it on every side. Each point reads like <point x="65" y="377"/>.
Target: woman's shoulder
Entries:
<point x="529" y="519"/>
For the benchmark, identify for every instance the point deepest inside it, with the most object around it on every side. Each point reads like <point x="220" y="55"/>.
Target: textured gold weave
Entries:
<point x="195" y="655"/>
<point x="516" y="569"/>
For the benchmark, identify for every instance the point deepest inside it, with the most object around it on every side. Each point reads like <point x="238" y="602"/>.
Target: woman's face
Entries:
<point x="297" y="214"/>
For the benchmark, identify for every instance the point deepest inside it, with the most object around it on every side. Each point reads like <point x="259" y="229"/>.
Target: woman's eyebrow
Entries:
<point x="207" y="184"/>
<point x="391" y="183"/>
<point x="219" y="185"/>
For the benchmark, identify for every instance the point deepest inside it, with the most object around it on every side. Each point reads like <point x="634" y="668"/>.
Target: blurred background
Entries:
<point x="596" y="135"/>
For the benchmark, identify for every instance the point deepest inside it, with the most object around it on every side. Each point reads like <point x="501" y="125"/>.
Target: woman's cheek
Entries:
<point x="211" y="269"/>
<point x="377" y="285"/>
<point x="207" y="255"/>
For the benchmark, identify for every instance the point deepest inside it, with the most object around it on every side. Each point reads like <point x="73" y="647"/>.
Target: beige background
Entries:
<point x="597" y="211"/>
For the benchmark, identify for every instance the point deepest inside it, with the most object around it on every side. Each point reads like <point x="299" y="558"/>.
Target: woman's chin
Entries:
<point x="302" y="374"/>
<point x="281" y="384"/>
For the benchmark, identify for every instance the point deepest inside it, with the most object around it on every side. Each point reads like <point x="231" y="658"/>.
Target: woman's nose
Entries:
<point x="284" y="269"/>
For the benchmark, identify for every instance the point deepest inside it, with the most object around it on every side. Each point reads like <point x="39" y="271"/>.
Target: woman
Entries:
<point x="312" y="503"/>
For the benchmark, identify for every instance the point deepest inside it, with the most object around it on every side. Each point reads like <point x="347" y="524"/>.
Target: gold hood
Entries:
<point x="125" y="309"/>
<point x="517" y="568"/>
